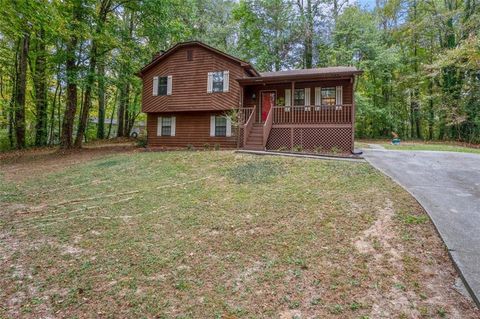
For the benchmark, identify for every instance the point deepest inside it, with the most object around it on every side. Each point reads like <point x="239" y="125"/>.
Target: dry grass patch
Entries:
<point x="218" y="234"/>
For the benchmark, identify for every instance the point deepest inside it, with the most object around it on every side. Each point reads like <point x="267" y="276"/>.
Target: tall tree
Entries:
<point x="71" y="69"/>
<point x="307" y="14"/>
<point x="101" y="98"/>
<point x="20" y="92"/>
<point x="104" y="8"/>
<point x="40" y="86"/>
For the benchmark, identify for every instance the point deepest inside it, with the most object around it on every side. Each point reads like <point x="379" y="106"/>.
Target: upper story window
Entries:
<point x="299" y="97"/>
<point x="218" y="81"/>
<point x="189" y="55"/>
<point x="162" y="85"/>
<point x="329" y="96"/>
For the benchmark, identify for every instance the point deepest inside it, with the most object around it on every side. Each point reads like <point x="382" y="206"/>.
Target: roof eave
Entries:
<point x="262" y="79"/>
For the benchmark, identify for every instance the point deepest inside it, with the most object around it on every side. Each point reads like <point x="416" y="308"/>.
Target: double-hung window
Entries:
<point x="162" y="85"/>
<point x="166" y="126"/>
<point x="299" y="97"/>
<point x="329" y="96"/>
<point x="217" y="81"/>
<point x="220" y="126"/>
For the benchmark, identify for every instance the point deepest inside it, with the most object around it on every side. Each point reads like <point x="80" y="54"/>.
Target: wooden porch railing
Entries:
<point x="267" y="126"/>
<point x="247" y="127"/>
<point x="244" y="114"/>
<point x="313" y="114"/>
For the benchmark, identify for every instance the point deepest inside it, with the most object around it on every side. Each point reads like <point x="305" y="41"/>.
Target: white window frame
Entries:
<point x="173" y="125"/>
<point x="318" y="98"/>
<point x="156" y="84"/>
<point x="307" y="99"/>
<point x="228" y="130"/>
<point x="225" y="82"/>
<point x="321" y="94"/>
<point x="288" y="99"/>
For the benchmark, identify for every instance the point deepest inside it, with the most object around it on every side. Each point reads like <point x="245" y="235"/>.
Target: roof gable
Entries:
<point x="247" y="66"/>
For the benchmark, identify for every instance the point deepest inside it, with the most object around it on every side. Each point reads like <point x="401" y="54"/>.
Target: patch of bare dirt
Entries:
<point x="381" y="242"/>
<point x="23" y="164"/>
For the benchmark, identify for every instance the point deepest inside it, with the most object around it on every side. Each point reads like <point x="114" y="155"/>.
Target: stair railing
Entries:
<point x="247" y="127"/>
<point x="267" y="126"/>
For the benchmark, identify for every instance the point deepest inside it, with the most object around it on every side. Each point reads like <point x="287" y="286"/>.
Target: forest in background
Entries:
<point x="65" y="62"/>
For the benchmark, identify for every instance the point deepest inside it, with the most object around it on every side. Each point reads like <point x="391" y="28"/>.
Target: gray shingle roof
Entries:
<point x="316" y="71"/>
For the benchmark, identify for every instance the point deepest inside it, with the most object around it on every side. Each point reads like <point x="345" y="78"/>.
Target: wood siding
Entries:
<point x="192" y="128"/>
<point x="189" y="82"/>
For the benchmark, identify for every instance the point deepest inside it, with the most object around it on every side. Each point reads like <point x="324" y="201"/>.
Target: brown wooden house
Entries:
<point x="195" y="95"/>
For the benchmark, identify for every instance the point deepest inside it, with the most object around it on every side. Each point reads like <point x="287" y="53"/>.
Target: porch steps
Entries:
<point x="255" y="139"/>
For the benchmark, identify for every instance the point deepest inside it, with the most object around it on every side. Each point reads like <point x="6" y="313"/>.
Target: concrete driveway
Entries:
<point x="447" y="185"/>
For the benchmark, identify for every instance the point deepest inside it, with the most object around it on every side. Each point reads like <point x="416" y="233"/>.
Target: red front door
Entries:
<point x="268" y="101"/>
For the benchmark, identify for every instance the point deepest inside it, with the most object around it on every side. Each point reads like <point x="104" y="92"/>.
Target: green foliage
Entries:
<point x="142" y="141"/>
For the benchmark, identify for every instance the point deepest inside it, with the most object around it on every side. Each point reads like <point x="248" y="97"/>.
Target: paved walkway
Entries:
<point x="447" y="185"/>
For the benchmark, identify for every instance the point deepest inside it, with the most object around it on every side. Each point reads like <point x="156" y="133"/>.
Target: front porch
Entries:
<point x="311" y="115"/>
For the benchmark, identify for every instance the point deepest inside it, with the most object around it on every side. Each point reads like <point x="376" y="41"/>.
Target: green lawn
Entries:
<point x="216" y="235"/>
<point x="419" y="146"/>
<point x="431" y="147"/>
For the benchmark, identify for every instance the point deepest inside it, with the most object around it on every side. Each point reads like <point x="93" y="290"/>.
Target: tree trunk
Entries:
<point x="20" y="92"/>
<point x="122" y="109"/>
<point x="11" y="108"/>
<point x="133" y="115"/>
<point x="72" y="73"/>
<point x="71" y="106"/>
<point x="451" y="80"/>
<point x="335" y="11"/>
<point x="309" y="36"/>
<point x="52" y="116"/>
<point x="414" y="104"/>
<point x="112" y="115"/>
<point x="127" y="127"/>
<point x="40" y="85"/>
<point x="101" y="100"/>
<point x="82" y="122"/>
<point x="59" y="113"/>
